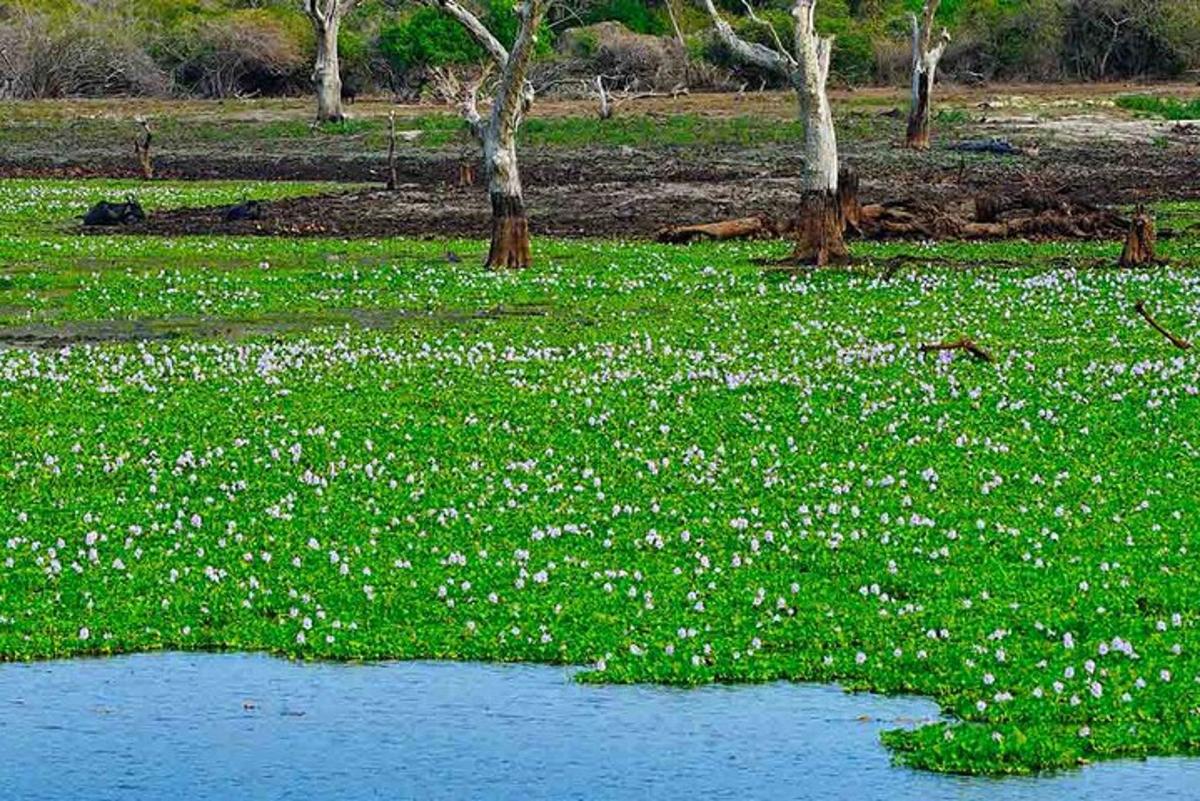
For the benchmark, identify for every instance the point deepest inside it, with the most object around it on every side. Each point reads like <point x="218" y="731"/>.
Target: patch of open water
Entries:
<point x="245" y="726"/>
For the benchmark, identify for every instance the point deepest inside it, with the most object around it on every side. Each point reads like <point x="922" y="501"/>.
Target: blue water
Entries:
<point x="192" y="727"/>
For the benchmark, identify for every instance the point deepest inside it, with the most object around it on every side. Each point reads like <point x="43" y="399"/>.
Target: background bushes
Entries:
<point x="223" y="48"/>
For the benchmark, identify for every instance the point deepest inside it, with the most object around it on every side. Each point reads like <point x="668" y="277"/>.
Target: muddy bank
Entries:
<point x="611" y="210"/>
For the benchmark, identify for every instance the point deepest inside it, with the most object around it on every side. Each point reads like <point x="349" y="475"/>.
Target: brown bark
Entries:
<point x="849" y="207"/>
<point x="1139" y="245"/>
<point x="819" y="239"/>
<point x="391" y="156"/>
<point x="510" y="248"/>
<point x="141" y="146"/>
<point x="965" y="344"/>
<point x="1177" y="341"/>
<point x="918" y="117"/>
<point x="466" y="174"/>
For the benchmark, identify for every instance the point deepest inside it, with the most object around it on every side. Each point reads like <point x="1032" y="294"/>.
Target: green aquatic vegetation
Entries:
<point x="662" y="463"/>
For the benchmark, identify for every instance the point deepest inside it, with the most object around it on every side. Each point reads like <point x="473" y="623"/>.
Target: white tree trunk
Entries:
<point x="510" y="246"/>
<point x="514" y="96"/>
<point x="821" y="226"/>
<point x="326" y="76"/>
<point x="925" y="58"/>
<point x="819" y="238"/>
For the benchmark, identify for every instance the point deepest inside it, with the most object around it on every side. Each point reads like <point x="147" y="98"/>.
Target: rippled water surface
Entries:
<point x="200" y="726"/>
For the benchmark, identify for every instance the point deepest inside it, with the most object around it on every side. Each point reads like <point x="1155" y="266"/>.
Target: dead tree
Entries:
<point x="606" y="109"/>
<point x="392" y="181"/>
<point x="326" y="17"/>
<point x="925" y="58"/>
<point x="141" y="147"/>
<point x="498" y="134"/>
<point x="1140" y="243"/>
<point x="819" y="231"/>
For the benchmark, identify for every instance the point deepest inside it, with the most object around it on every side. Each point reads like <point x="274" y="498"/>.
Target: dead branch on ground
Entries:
<point x="1178" y="342"/>
<point x="965" y="344"/>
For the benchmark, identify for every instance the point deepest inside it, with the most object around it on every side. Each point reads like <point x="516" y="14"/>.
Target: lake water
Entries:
<point x="191" y="727"/>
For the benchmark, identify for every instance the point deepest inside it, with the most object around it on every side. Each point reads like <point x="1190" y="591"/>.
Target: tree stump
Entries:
<point x="1139" y="245"/>
<point x="466" y="174"/>
<point x="141" y="147"/>
<point x="849" y="207"/>
<point x="819" y="239"/>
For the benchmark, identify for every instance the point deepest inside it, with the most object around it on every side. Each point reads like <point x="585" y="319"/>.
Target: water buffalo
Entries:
<point x="105" y="213"/>
<point x="246" y="210"/>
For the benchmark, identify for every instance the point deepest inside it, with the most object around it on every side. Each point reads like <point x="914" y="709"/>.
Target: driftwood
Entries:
<point x="964" y="344"/>
<point x="998" y="147"/>
<point x="1178" y="342"/>
<point x="1139" y="243"/>
<point x="743" y="228"/>
<point x="141" y="147"/>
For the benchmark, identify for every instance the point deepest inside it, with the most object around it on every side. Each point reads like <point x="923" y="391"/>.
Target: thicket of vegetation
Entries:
<point x="222" y="48"/>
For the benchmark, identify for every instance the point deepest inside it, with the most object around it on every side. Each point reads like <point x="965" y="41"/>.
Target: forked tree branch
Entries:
<point x="477" y="30"/>
<point x="781" y="63"/>
<point x="1178" y="342"/>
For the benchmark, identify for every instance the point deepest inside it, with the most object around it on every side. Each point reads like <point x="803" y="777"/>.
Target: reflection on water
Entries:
<point x="209" y="726"/>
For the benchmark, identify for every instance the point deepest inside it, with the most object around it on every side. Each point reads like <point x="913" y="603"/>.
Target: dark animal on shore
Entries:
<point x="105" y="213"/>
<point x="246" y="210"/>
<point x="349" y="94"/>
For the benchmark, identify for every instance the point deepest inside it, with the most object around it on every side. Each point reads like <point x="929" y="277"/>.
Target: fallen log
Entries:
<point x="742" y="228"/>
<point x="1178" y="342"/>
<point x="965" y="344"/>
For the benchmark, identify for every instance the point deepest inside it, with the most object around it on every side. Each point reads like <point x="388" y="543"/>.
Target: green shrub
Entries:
<point x="636" y="15"/>
<point x="427" y="37"/>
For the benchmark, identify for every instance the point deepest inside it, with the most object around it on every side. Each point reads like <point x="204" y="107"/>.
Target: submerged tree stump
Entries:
<point x="1139" y="244"/>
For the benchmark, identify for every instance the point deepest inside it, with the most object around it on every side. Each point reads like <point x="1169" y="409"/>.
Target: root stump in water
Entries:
<point x="819" y="240"/>
<point x="1139" y="245"/>
<point x="510" y="235"/>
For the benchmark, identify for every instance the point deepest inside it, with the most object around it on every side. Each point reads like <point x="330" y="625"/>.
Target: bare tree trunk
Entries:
<point x="820" y="239"/>
<point x="924" y="70"/>
<point x="819" y="230"/>
<point x="393" y="180"/>
<point x="326" y="74"/>
<point x="510" y="247"/>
